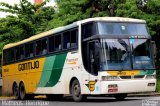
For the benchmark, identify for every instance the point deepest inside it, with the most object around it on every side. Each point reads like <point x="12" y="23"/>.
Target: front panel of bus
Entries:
<point x="119" y="57"/>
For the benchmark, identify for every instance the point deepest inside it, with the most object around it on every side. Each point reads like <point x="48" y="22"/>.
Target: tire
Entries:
<point x="55" y="97"/>
<point x="76" y="92"/>
<point x="22" y="92"/>
<point x="16" y="92"/>
<point x="120" y="97"/>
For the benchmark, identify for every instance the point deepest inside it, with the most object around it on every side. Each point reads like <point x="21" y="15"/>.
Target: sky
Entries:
<point x="2" y="14"/>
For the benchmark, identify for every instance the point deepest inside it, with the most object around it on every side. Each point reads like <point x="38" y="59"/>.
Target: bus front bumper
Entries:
<point x="129" y="86"/>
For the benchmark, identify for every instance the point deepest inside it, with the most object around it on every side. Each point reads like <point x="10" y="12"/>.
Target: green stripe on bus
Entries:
<point x="57" y="70"/>
<point x="48" y="66"/>
<point x="150" y="72"/>
<point x="147" y="72"/>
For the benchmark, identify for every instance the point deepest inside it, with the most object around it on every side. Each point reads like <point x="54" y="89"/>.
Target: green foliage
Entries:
<point x="147" y="12"/>
<point x="9" y="30"/>
<point x="30" y="19"/>
<point x="158" y="85"/>
<point x="73" y="10"/>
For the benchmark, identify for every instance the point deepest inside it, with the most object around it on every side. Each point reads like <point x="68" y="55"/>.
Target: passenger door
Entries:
<point x="93" y="57"/>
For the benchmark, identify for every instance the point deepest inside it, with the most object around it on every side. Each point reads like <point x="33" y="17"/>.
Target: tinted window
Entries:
<point x="5" y="55"/>
<point x="11" y="55"/>
<point x="74" y="38"/>
<point x="29" y="50"/>
<point x="58" y="45"/>
<point x="51" y="44"/>
<point x="142" y="57"/>
<point x="66" y="40"/>
<point x="88" y="30"/>
<point x="44" y="47"/>
<point x="17" y="51"/>
<point x="21" y="52"/>
<point x="122" y="28"/>
<point x="41" y="47"/>
<point x="38" y="47"/>
<point x="8" y="56"/>
<point x="70" y="39"/>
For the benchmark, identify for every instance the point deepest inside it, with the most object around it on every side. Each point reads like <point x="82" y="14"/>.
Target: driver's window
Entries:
<point x="93" y="55"/>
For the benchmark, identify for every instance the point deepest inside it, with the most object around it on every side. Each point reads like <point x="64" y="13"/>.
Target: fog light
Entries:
<point x="151" y="84"/>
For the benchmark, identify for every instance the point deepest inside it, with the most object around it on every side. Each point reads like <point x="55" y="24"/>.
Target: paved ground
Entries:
<point x="92" y="101"/>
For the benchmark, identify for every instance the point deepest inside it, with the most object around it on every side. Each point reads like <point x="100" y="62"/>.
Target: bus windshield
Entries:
<point x="113" y="28"/>
<point x="114" y="54"/>
<point x="141" y="55"/>
<point x="125" y="54"/>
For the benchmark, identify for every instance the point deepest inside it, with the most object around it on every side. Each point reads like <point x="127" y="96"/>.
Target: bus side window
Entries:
<point x="58" y="44"/>
<point x="27" y="51"/>
<point x="51" y="44"/>
<point x="21" y="52"/>
<point x="11" y="55"/>
<point x="74" y="38"/>
<point x="5" y="56"/>
<point x="66" y="40"/>
<point x="38" y="47"/>
<point x="31" y="50"/>
<point x="8" y="56"/>
<point x="44" y="47"/>
<point x="17" y="52"/>
<point x="88" y="30"/>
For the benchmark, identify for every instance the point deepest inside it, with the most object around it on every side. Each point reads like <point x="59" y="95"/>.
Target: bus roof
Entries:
<point x="73" y="25"/>
<point x="114" y="19"/>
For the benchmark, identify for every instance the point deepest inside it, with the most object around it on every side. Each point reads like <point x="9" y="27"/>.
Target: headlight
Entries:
<point x="150" y="76"/>
<point x="110" y="78"/>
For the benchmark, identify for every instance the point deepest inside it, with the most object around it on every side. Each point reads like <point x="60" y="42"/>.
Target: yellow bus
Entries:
<point x="95" y="56"/>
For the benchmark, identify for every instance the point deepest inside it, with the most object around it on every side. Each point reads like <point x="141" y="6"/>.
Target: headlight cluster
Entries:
<point x="150" y="76"/>
<point x="110" y="78"/>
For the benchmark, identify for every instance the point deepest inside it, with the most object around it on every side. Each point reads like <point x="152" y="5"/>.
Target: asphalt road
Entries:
<point x="92" y="101"/>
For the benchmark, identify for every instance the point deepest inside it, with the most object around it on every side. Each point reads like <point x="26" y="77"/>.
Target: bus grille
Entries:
<point x="133" y="77"/>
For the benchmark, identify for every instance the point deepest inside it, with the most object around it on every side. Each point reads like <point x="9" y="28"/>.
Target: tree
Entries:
<point x="28" y="20"/>
<point x="133" y="9"/>
<point x="32" y="18"/>
<point x="72" y="10"/>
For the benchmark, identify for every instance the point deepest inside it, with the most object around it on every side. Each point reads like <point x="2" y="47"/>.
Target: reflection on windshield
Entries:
<point x="125" y="54"/>
<point x="106" y="28"/>
<point x="141" y="57"/>
<point x="114" y="55"/>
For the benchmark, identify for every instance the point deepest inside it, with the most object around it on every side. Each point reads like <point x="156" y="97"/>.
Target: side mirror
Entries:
<point x="154" y="49"/>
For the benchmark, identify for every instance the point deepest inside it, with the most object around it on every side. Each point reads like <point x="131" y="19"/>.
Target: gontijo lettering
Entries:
<point x="28" y="66"/>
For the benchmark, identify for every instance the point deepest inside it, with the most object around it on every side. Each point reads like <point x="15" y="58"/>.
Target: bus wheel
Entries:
<point x="22" y="92"/>
<point x="55" y="97"/>
<point x="16" y="91"/>
<point x="76" y="92"/>
<point x="120" y="97"/>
